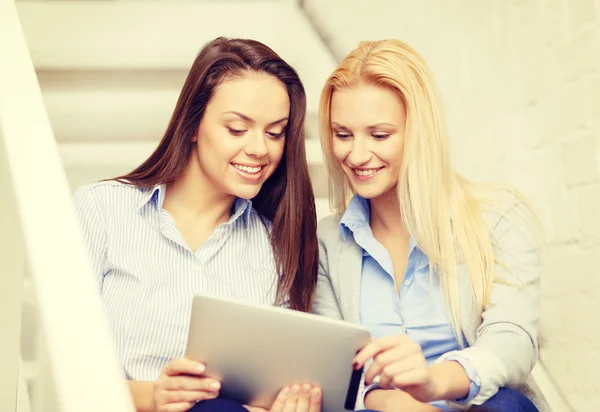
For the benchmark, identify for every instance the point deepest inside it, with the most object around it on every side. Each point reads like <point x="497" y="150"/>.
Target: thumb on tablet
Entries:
<point x="255" y="409"/>
<point x="184" y="366"/>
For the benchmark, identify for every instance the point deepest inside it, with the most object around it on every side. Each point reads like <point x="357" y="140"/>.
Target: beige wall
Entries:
<point x="521" y="80"/>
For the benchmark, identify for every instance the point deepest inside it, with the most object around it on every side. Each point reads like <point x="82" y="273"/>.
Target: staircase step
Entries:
<point x="117" y="105"/>
<point x="167" y="35"/>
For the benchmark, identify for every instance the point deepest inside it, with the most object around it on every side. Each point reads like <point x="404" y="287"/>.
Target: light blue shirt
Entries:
<point x="417" y="310"/>
<point x="147" y="275"/>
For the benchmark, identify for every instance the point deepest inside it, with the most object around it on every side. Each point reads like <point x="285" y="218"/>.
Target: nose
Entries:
<point x="359" y="153"/>
<point x="256" y="145"/>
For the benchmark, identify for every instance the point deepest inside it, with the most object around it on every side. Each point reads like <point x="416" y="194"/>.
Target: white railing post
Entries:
<point x="85" y="374"/>
<point x="12" y="268"/>
<point x="23" y="400"/>
<point x="553" y="396"/>
<point x="43" y="391"/>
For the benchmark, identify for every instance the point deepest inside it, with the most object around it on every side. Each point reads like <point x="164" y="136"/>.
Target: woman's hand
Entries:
<point x="400" y="363"/>
<point x="393" y="401"/>
<point x="181" y="384"/>
<point x="297" y="398"/>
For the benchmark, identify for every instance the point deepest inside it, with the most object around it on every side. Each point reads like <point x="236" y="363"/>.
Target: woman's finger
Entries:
<point x="188" y="396"/>
<point x="404" y="350"/>
<point x="388" y="373"/>
<point x="413" y="377"/>
<point x="255" y="409"/>
<point x="382" y="360"/>
<point x="291" y="401"/>
<point x="279" y="402"/>
<point x="377" y="346"/>
<point x="315" y="400"/>
<point x="183" y="366"/>
<point x="303" y="398"/>
<point x="191" y="383"/>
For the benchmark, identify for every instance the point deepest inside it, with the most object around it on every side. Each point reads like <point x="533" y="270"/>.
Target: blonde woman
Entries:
<point x="444" y="272"/>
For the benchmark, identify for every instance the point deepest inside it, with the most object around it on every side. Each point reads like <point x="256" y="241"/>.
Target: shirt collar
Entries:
<point x="241" y="207"/>
<point x="357" y="215"/>
<point x="156" y="195"/>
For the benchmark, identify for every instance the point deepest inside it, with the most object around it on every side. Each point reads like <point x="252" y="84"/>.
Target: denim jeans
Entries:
<point x="221" y="405"/>
<point x="506" y="400"/>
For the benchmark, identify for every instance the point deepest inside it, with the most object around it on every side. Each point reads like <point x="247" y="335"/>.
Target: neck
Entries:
<point x="386" y="216"/>
<point x="194" y="195"/>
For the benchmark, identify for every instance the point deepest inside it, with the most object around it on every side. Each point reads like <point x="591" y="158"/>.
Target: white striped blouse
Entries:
<point x="147" y="275"/>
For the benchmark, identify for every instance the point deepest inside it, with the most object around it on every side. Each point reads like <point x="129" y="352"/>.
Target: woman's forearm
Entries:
<point x="450" y="380"/>
<point x="142" y="394"/>
<point x="395" y="400"/>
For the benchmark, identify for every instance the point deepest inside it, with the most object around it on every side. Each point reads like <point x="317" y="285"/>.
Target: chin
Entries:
<point x="245" y="193"/>
<point x="368" y="193"/>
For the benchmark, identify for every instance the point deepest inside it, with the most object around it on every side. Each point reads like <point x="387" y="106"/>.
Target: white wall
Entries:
<point x="521" y="80"/>
<point x="111" y="71"/>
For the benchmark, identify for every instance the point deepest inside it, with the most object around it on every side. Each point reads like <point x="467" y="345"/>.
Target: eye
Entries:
<point x="236" y="132"/>
<point x="276" y="135"/>
<point x="380" y="136"/>
<point x="342" y="135"/>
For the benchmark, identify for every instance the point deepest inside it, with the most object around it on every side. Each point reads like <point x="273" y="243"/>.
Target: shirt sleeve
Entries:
<point x="93" y="229"/>
<point x="471" y="373"/>
<point x="361" y="400"/>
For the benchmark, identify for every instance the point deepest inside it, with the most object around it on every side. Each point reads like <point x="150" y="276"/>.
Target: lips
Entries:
<point x="250" y="173"/>
<point x="365" y="174"/>
<point x="249" y="169"/>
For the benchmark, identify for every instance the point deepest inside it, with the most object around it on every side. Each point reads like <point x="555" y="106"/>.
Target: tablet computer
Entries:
<point x="255" y="350"/>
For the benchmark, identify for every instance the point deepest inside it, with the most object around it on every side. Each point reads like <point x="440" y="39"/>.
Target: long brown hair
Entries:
<point x="286" y="198"/>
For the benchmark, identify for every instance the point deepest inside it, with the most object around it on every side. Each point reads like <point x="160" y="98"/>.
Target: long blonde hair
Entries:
<point x="442" y="211"/>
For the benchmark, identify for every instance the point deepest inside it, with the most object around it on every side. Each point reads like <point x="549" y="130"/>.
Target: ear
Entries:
<point x="195" y="138"/>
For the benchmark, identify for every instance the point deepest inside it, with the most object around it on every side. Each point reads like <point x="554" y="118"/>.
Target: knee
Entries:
<point x="218" y="405"/>
<point x="507" y="400"/>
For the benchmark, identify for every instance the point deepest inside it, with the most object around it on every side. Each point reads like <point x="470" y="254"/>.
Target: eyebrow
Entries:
<point x="374" y="126"/>
<point x="339" y="126"/>
<point x="251" y="120"/>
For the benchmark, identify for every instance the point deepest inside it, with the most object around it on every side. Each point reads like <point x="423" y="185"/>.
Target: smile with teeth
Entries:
<point x="248" y="169"/>
<point x="366" y="172"/>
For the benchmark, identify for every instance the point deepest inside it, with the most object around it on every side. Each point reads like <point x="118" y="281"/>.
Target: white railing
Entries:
<point x="39" y="230"/>
<point x="553" y="396"/>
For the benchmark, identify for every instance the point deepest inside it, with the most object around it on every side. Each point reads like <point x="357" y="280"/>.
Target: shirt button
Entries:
<point x="198" y="268"/>
<point x="407" y="282"/>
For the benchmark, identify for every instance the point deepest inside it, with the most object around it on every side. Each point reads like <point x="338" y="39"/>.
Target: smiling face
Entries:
<point x="241" y="137"/>
<point x="368" y="124"/>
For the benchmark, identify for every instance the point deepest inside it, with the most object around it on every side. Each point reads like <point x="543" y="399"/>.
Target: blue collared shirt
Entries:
<point x="417" y="310"/>
<point x="147" y="275"/>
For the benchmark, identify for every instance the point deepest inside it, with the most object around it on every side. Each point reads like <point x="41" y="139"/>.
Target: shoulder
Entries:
<point x="328" y="229"/>
<point x="107" y="188"/>
<point x="107" y="195"/>
<point x="516" y="238"/>
<point x="330" y="238"/>
<point x="512" y="220"/>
